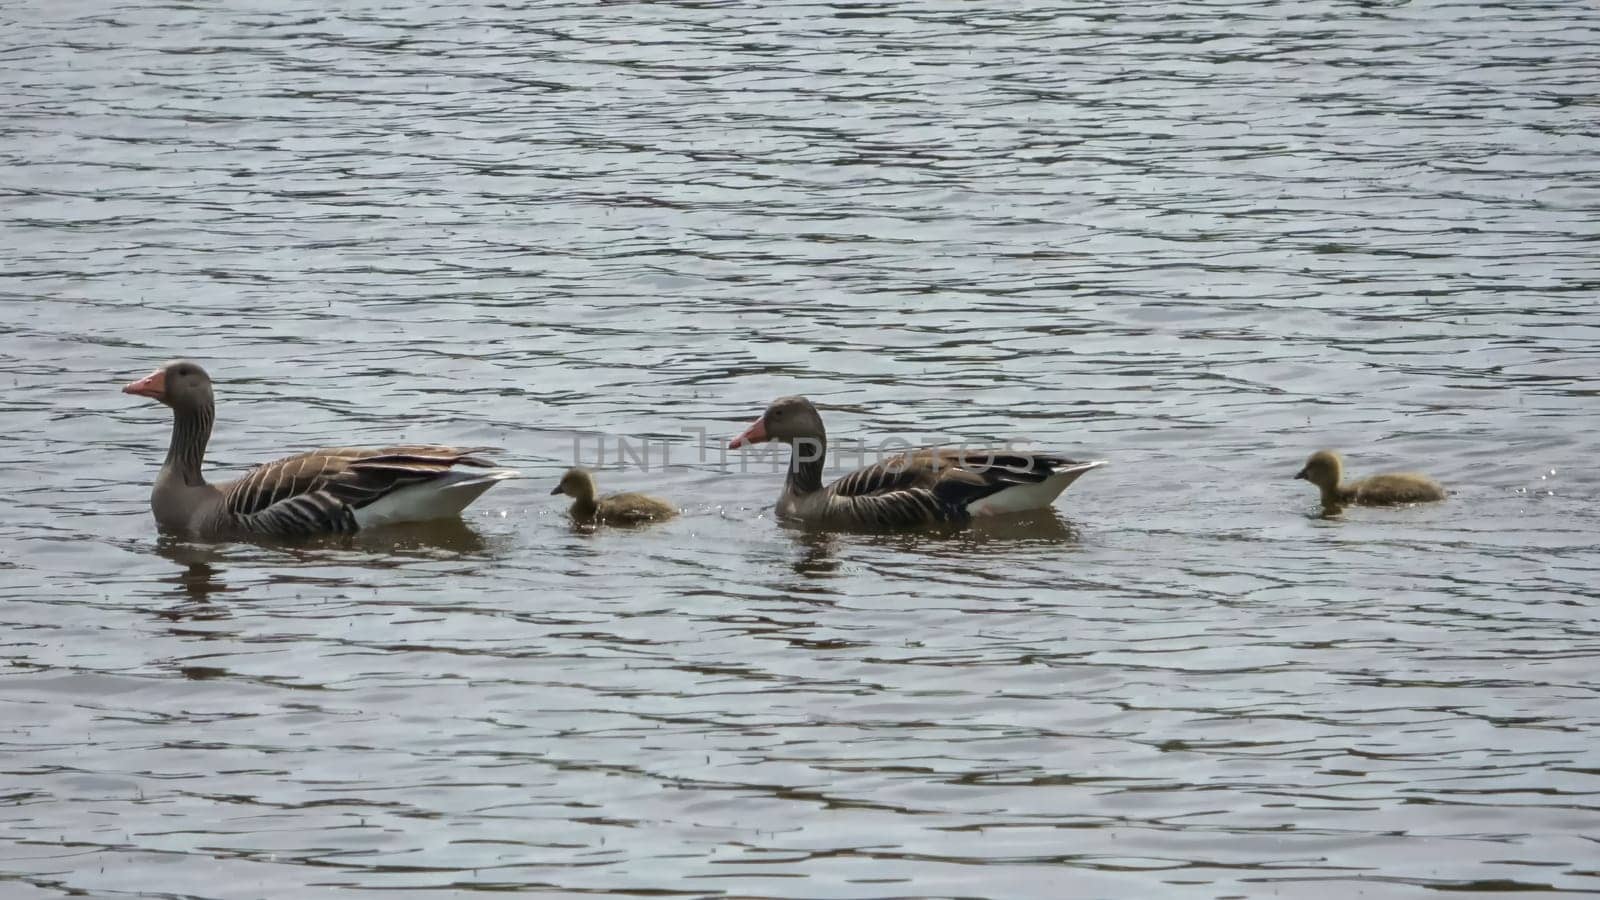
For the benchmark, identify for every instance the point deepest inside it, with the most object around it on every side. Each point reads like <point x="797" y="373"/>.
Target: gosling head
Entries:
<point x="1324" y="469"/>
<point x="576" y="483"/>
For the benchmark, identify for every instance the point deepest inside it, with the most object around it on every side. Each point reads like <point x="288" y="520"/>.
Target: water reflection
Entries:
<point x="1043" y="526"/>
<point x="442" y="537"/>
<point x="818" y="557"/>
<point x="202" y="566"/>
<point x="199" y="577"/>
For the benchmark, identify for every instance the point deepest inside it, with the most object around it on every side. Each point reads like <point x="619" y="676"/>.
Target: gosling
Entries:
<point x="612" y="509"/>
<point x="1325" y="470"/>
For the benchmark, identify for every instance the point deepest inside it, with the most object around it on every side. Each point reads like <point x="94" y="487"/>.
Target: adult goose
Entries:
<point x="330" y="491"/>
<point x="1325" y="469"/>
<point x="918" y="488"/>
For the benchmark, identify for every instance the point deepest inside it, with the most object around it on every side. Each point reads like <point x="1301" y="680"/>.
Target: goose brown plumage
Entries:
<point x="334" y="490"/>
<point x="1325" y="469"/>
<point x="612" y="509"/>
<point x="918" y="488"/>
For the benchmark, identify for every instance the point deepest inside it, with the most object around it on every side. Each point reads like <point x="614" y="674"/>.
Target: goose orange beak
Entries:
<point x="153" y="386"/>
<point x="755" y="434"/>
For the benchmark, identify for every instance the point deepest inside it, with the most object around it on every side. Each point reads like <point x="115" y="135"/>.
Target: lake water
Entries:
<point x="1198" y="240"/>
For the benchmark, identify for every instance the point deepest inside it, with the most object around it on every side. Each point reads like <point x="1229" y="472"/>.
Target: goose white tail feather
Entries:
<point x="1025" y="497"/>
<point x="442" y="498"/>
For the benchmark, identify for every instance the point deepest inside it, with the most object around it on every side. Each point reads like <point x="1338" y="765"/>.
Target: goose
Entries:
<point x="1325" y="469"/>
<point x="918" y="488"/>
<point x="335" y="490"/>
<point x="612" y="509"/>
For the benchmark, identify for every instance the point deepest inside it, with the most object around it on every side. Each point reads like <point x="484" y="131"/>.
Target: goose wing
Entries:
<point x="319" y="492"/>
<point x="927" y="487"/>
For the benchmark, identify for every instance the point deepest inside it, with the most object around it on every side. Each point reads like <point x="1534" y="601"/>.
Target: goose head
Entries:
<point x="789" y="420"/>
<point x="180" y="384"/>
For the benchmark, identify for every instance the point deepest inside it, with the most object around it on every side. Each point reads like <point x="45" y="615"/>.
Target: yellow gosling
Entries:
<point x="613" y="509"/>
<point x="1326" y="470"/>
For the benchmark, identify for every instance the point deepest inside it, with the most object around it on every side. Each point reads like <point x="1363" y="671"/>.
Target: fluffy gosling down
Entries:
<point x="612" y="509"/>
<point x="1326" y="470"/>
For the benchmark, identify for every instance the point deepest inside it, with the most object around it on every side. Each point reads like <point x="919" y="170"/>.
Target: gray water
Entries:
<point x="1198" y="240"/>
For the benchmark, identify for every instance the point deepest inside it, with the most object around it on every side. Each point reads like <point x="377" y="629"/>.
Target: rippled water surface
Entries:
<point x="1198" y="240"/>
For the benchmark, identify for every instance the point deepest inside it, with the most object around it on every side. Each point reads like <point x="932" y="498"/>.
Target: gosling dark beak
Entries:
<point x="556" y="489"/>
<point x="1301" y="475"/>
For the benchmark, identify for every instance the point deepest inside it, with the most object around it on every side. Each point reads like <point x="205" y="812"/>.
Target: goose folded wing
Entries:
<point x="897" y="473"/>
<point x="952" y="475"/>
<point x="941" y="497"/>
<point x="1008" y="468"/>
<point x="930" y="486"/>
<point x="319" y="491"/>
<point x="908" y="507"/>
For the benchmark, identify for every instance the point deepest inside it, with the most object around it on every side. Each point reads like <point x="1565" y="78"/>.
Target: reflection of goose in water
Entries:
<point x="200" y="578"/>
<point x="202" y="569"/>
<point x="818" y="557"/>
<point x="440" y="536"/>
<point x="1041" y="526"/>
